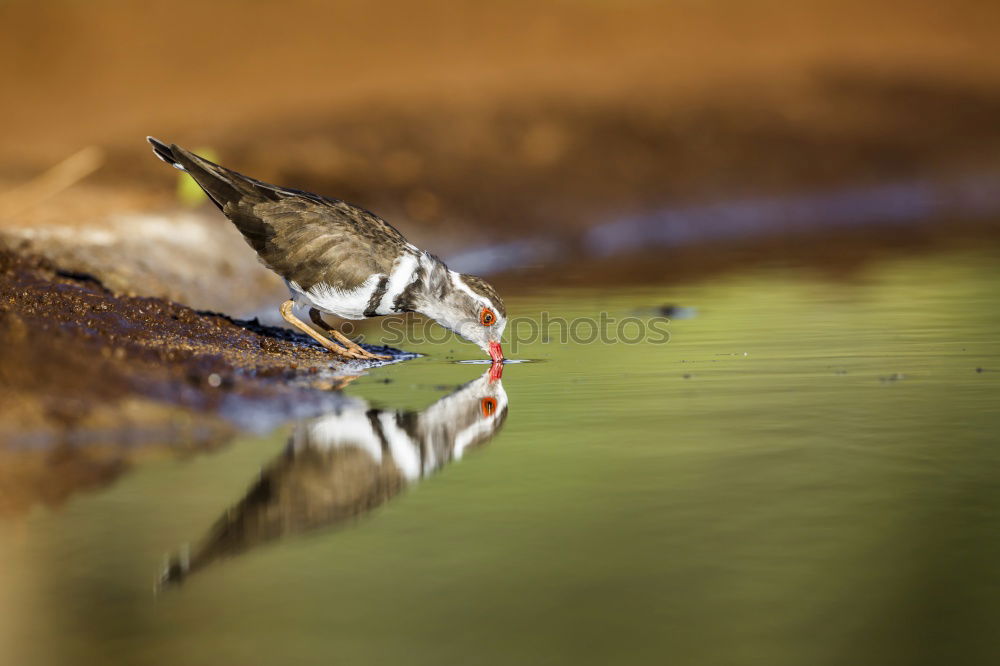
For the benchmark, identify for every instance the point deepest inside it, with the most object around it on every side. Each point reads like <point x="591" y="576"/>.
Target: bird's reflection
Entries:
<point x="346" y="463"/>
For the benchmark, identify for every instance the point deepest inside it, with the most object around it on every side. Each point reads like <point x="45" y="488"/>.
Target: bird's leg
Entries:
<point x="286" y="312"/>
<point x="343" y="339"/>
<point x="317" y="319"/>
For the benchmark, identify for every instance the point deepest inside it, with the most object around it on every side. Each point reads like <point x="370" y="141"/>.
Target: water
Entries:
<point x="805" y="474"/>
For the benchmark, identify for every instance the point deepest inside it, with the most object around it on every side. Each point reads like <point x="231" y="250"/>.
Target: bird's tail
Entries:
<point x="220" y="184"/>
<point x="165" y="153"/>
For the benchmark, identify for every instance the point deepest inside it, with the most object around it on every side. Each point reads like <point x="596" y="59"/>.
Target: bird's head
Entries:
<point x="471" y="307"/>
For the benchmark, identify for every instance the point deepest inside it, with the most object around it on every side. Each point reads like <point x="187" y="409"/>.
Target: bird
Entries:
<point x="344" y="464"/>
<point x="340" y="259"/>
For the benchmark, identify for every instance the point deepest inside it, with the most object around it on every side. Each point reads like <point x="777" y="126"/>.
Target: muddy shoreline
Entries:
<point x="91" y="380"/>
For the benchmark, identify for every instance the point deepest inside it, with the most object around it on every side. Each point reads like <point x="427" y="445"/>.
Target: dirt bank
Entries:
<point x="91" y="381"/>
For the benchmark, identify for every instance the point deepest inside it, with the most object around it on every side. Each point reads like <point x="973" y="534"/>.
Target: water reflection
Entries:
<point x="346" y="463"/>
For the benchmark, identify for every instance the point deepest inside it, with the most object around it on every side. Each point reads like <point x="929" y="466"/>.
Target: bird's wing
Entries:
<point x="310" y="242"/>
<point x="304" y="237"/>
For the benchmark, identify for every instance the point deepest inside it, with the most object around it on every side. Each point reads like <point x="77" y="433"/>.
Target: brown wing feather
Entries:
<point x="309" y="242"/>
<point x="303" y="237"/>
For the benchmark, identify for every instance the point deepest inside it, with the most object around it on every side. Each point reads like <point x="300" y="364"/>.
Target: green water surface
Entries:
<point x="807" y="473"/>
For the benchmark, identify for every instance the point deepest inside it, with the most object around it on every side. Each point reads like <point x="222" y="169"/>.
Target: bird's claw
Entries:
<point x="362" y="353"/>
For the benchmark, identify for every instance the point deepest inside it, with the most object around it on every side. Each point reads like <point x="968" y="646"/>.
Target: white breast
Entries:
<point x="346" y="303"/>
<point x="403" y="271"/>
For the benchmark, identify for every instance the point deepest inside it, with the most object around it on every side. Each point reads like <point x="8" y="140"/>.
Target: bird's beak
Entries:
<point x="496" y="354"/>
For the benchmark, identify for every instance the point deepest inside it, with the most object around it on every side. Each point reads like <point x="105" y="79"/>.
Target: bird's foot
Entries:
<point x="356" y="348"/>
<point x="331" y="346"/>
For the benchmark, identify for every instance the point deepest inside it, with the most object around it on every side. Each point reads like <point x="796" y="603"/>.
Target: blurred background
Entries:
<point x="806" y="474"/>
<point x="538" y="132"/>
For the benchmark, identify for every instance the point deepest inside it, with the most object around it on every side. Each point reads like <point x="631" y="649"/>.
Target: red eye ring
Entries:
<point x="487" y="317"/>
<point x="488" y="406"/>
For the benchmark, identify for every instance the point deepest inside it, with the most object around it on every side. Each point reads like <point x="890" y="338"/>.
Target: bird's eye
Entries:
<point x="488" y="406"/>
<point x="486" y="317"/>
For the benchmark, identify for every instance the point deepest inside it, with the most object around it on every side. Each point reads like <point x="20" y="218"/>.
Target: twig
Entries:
<point x="63" y="175"/>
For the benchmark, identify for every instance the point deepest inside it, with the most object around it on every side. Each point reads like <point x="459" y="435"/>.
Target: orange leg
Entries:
<point x="286" y="312"/>
<point x="343" y="339"/>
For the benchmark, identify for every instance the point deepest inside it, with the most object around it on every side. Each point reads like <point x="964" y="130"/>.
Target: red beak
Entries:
<point x="496" y="354"/>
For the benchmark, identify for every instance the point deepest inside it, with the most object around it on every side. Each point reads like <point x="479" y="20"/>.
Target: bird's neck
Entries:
<point x="434" y="289"/>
